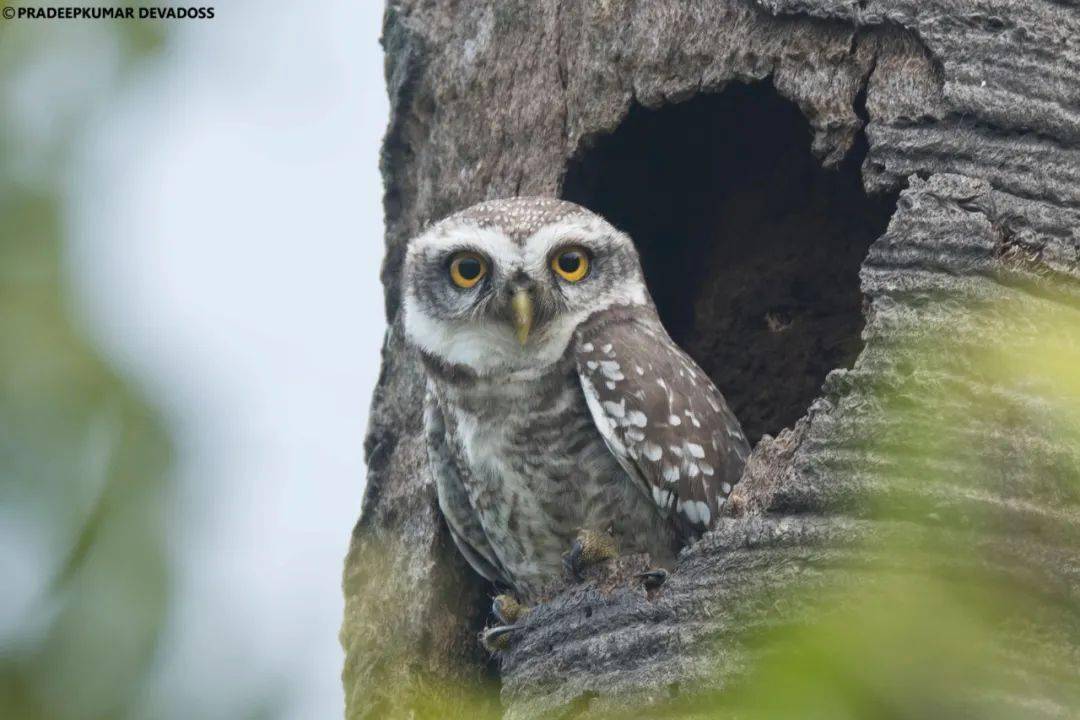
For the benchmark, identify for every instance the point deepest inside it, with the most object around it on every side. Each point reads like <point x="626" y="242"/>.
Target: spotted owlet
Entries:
<point x="556" y="400"/>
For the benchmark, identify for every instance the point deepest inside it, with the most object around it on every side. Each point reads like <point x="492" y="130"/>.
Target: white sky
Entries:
<point x="226" y="248"/>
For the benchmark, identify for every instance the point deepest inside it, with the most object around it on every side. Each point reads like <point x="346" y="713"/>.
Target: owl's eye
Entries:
<point x="571" y="264"/>
<point x="467" y="269"/>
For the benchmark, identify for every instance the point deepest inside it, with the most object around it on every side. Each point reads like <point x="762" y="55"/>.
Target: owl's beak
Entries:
<point x="522" y="305"/>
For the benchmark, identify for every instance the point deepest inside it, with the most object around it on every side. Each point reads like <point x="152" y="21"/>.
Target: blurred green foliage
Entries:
<point x="963" y="602"/>
<point x="83" y="459"/>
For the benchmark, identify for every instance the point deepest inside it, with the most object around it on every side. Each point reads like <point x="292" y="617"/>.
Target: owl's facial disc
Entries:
<point x="498" y="301"/>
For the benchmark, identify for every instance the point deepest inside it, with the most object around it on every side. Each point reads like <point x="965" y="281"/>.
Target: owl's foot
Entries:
<point x="653" y="579"/>
<point x="497" y="638"/>
<point x="589" y="548"/>
<point x="507" y="610"/>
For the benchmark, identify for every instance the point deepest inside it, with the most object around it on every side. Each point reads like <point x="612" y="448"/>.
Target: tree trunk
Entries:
<point x="839" y="206"/>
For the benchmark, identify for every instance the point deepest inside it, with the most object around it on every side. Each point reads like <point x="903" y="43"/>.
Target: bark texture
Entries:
<point x="969" y="111"/>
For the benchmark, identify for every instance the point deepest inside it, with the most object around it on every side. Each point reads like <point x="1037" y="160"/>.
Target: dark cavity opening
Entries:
<point x="751" y="248"/>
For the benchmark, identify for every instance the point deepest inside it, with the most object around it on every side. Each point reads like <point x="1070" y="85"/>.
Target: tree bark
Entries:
<point x="969" y="111"/>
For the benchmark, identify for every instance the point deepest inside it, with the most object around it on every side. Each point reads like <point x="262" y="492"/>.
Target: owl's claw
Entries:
<point x="590" y="548"/>
<point x="653" y="579"/>
<point x="507" y="610"/>
<point x="497" y="638"/>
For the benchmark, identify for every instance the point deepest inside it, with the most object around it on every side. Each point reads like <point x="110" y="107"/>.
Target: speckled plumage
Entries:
<point x="518" y="218"/>
<point x="598" y="421"/>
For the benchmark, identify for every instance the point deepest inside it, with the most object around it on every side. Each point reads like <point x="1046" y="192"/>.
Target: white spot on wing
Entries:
<point x="603" y="423"/>
<point x="611" y="370"/>
<point x="696" y="450"/>
<point x="690" y="509"/>
<point x="614" y="409"/>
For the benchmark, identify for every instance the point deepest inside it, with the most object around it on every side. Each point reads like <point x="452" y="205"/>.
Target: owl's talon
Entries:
<point x="497" y="638"/>
<point x="590" y="548"/>
<point x="507" y="610"/>
<point x="653" y="579"/>
<point x="570" y="560"/>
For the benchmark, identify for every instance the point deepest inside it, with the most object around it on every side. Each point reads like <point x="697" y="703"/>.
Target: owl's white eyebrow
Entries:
<point x="575" y="230"/>
<point x="489" y="241"/>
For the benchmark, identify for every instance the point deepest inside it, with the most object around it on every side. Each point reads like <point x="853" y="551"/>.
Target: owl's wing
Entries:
<point x="660" y="415"/>
<point x="461" y="516"/>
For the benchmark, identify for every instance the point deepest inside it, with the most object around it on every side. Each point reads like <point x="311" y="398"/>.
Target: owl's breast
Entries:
<point x="538" y="470"/>
<point x="538" y="447"/>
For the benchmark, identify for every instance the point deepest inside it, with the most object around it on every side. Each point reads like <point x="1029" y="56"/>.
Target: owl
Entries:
<point x="558" y="410"/>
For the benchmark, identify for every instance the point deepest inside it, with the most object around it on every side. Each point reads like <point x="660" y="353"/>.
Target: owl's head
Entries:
<point x="501" y="287"/>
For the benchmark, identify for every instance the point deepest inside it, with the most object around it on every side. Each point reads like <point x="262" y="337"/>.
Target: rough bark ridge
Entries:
<point x="971" y="108"/>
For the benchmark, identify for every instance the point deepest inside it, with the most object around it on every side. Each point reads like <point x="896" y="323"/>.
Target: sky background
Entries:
<point x="225" y="235"/>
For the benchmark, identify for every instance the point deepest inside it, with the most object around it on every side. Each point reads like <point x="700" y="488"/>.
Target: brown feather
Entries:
<point x="660" y="414"/>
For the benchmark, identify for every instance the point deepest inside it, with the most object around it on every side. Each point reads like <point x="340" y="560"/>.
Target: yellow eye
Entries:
<point x="467" y="269"/>
<point x="571" y="264"/>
